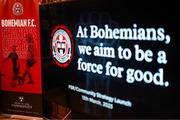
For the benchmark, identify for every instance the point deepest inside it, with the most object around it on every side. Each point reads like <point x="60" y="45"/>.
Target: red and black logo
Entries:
<point x="17" y="8"/>
<point x="62" y="46"/>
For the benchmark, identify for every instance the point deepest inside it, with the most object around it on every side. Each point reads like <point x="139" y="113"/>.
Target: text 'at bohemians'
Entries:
<point x="135" y="33"/>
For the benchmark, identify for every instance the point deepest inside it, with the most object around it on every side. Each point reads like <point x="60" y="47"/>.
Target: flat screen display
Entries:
<point x="110" y="59"/>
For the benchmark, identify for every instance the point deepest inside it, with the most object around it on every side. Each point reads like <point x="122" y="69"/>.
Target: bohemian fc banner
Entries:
<point x="20" y="66"/>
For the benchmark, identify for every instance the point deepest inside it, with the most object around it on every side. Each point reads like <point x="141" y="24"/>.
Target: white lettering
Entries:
<point x="140" y="55"/>
<point x="148" y="77"/>
<point x="89" y="67"/>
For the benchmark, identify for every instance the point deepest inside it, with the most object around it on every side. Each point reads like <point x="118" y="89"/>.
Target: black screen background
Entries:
<point x="149" y="101"/>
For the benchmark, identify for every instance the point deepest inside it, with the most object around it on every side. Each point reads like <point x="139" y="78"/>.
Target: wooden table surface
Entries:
<point x="18" y="117"/>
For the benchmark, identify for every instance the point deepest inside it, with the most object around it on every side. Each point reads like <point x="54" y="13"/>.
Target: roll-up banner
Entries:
<point x="112" y="59"/>
<point x="20" y="65"/>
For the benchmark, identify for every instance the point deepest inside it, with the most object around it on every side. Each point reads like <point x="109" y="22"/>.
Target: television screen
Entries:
<point x="108" y="59"/>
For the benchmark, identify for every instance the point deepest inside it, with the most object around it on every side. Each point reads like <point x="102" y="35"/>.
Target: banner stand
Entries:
<point x="20" y="59"/>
